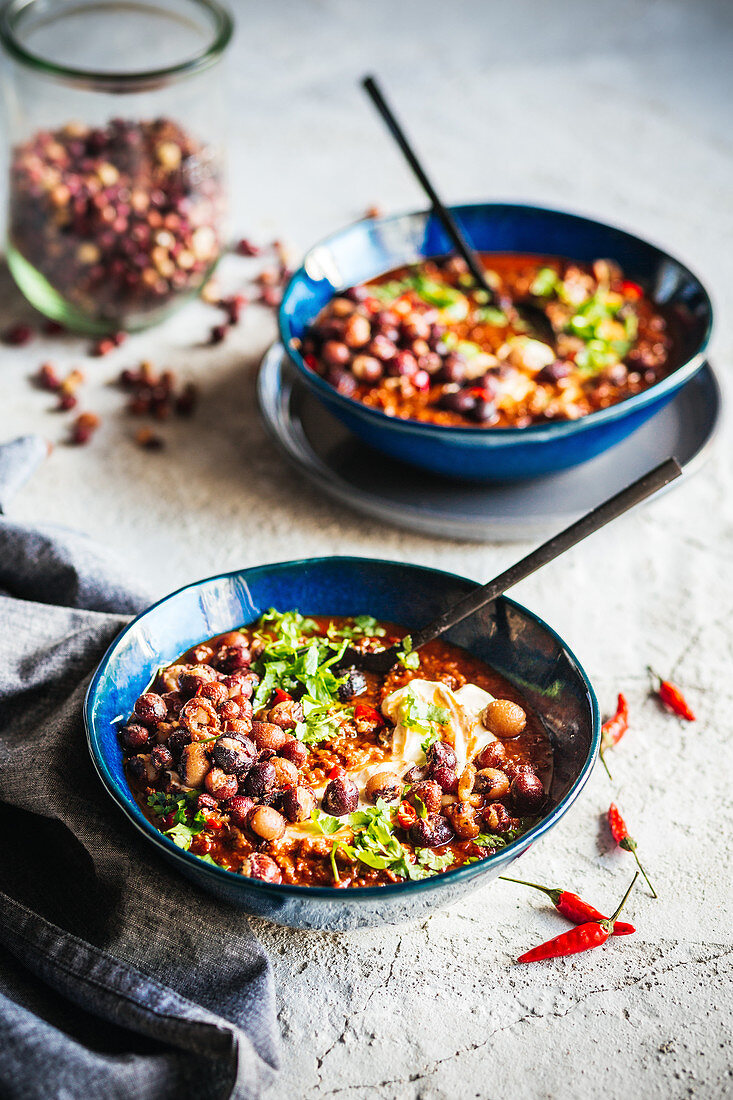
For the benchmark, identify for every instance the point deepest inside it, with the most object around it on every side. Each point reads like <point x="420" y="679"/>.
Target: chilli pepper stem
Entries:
<point x="605" y="765"/>
<point x="632" y="848"/>
<point x="612" y="920"/>
<point x="553" y="895"/>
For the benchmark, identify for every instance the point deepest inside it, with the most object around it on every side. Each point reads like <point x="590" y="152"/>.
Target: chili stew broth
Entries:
<point x="423" y="343"/>
<point x="245" y="752"/>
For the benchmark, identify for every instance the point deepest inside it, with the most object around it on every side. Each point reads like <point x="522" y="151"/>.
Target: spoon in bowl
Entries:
<point x="382" y="660"/>
<point x="530" y="315"/>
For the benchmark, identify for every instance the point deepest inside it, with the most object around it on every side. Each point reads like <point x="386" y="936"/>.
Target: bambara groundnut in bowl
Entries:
<point x="388" y="330"/>
<point x="225" y="724"/>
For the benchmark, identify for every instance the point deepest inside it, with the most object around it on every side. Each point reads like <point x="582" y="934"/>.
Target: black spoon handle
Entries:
<point x="633" y="494"/>
<point x="449" y="224"/>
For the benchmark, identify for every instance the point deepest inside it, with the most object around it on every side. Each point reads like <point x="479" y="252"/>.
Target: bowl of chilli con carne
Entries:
<point x="226" y="726"/>
<point x="387" y="329"/>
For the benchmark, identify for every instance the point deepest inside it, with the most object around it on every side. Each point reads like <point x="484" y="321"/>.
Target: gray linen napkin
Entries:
<point x="118" y="978"/>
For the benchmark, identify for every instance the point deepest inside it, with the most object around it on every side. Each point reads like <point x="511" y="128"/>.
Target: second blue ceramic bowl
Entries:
<point x="369" y="248"/>
<point x="509" y="637"/>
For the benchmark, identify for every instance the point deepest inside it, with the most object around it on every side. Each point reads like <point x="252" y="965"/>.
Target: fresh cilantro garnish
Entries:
<point x="162" y="804"/>
<point x="387" y="292"/>
<point x="425" y="718"/>
<point x="334" y="867"/>
<point x="431" y="861"/>
<point x="359" y="626"/>
<point x="490" y="315"/>
<point x="443" y="296"/>
<point x="304" y="666"/>
<point x="375" y="843"/>
<point x="325" y="823"/>
<point x="544" y="283"/>
<point x="406" y="655"/>
<point x="182" y="834"/>
<point x="607" y="340"/>
<point x="488" y="840"/>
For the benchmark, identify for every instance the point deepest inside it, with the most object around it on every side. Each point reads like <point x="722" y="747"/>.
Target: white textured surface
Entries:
<point x="621" y="111"/>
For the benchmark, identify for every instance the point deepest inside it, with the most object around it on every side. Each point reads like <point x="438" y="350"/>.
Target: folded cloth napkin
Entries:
<point x="118" y="979"/>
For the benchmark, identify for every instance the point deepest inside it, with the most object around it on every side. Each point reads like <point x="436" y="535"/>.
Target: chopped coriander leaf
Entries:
<point x="420" y="809"/>
<point x="490" y="315"/>
<point x="545" y="283"/>
<point x="290" y="625"/>
<point x="334" y="867"/>
<point x="406" y="656"/>
<point x="360" y="626"/>
<point x="182" y="834"/>
<point x="443" y="296"/>
<point x="433" y="862"/>
<point x="325" y="823"/>
<point x="417" y="714"/>
<point x="162" y="804"/>
<point x="304" y="666"/>
<point x="488" y="840"/>
<point x="375" y="843"/>
<point x="386" y="292"/>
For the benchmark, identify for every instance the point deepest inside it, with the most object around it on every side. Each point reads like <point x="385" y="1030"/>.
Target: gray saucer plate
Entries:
<point x="361" y="478"/>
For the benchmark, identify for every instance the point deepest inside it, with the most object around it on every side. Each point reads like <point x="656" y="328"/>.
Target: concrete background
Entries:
<point x="621" y="111"/>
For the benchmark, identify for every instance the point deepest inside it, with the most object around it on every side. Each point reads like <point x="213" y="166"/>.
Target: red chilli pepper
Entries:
<point x="281" y="696"/>
<point x="575" y="940"/>
<point x="406" y="816"/>
<point x="614" y="728"/>
<point x="363" y="710"/>
<point x="671" y="696"/>
<point x="631" y="289"/>
<point x="620" y="834"/>
<point x="336" y="772"/>
<point x="573" y="907"/>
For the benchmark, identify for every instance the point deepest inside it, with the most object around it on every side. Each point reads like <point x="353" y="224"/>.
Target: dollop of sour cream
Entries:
<point x="463" y="729"/>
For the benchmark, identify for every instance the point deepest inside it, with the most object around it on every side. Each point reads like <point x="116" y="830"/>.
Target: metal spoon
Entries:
<point x="383" y="660"/>
<point x="531" y="315"/>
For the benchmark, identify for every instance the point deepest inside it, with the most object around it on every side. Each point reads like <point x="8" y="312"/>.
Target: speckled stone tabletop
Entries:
<point x="621" y="111"/>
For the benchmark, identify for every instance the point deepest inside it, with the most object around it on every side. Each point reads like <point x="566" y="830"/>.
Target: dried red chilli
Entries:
<point x="614" y="728"/>
<point x="572" y="906"/>
<point x="671" y="696"/>
<point x="581" y="938"/>
<point x="620" y="834"/>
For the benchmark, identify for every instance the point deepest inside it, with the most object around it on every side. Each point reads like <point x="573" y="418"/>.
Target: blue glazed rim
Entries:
<point x="498" y="436"/>
<point x="135" y="815"/>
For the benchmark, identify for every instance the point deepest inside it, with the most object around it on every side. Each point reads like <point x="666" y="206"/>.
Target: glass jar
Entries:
<point x="116" y="117"/>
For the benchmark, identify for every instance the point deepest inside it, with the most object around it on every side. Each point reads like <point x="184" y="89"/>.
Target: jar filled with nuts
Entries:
<point x="116" y="117"/>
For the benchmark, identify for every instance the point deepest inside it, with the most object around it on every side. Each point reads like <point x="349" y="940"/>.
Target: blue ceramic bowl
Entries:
<point x="369" y="248"/>
<point x="509" y="637"/>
